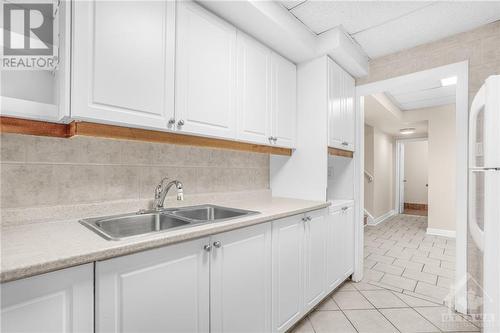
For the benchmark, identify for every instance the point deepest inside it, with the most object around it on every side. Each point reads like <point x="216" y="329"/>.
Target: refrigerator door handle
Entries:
<point x="477" y="106"/>
<point x="475" y="231"/>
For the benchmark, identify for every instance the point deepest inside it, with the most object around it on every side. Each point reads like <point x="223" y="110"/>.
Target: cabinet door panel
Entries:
<point x="336" y="105"/>
<point x="60" y="301"/>
<point x="123" y="72"/>
<point x="315" y="259"/>
<point x="241" y="281"/>
<point x="349" y="115"/>
<point x="206" y="72"/>
<point x="334" y="251"/>
<point x="288" y="270"/>
<point x="253" y="89"/>
<point x="348" y="232"/>
<point x="162" y="290"/>
<point x="285" y="101"/>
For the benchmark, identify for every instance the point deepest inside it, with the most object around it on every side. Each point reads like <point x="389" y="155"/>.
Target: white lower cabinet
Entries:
<point x="162" y="290"/>
<point x="288" y="271"/>
<point x="348" y="240"/>
<point x="240" y="280"/>
<point x="315" y="258"/>
<point x="334" y="240"/>
<point x="60" y="301"/>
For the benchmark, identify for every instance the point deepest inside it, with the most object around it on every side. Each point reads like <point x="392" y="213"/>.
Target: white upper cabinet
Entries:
<point x="341" y="110"/>
<point x="123" y="62"/>
<point x="253" y="90"/>
<point x="284" y="115"/>
<point x="205" y="73"/>
<point x="56" y="302"/>
<point x="161" y="290"/>
<point x="240" y="280"/>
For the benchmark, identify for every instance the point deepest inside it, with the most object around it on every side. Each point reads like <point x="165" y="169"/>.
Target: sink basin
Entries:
<point x="125" y="226"/>
<point x="207" y="213"/>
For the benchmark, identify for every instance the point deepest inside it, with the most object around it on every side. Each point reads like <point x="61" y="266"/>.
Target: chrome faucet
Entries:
<point x="161" y="192"/>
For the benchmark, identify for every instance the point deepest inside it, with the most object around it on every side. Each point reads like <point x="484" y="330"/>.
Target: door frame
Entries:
<point x="461" y="71"/>
<point x="399" y="172"/>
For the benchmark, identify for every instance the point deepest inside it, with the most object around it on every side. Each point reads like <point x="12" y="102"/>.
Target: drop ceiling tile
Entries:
<point x="425" y="94"/>
<point x="354" y="16"/>
<point x="428" y="24"/>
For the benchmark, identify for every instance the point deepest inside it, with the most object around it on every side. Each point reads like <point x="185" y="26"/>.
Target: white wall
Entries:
<point x="381" y="200"/>
<point x="415" y="171"/>
<point x="442" y="164"/>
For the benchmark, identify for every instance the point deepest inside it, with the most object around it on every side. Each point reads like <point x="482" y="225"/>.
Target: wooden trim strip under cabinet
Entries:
<point x="340" y="152"/>
<point x="33" y="127"/>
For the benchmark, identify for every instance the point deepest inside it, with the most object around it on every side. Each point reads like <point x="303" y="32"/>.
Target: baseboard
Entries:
<point x="369" y="218"/>
<point x="441" y="232"/>
<point x="382" y="218"/>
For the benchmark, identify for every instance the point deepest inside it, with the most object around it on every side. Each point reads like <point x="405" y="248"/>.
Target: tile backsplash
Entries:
<point x="42" y="171"/>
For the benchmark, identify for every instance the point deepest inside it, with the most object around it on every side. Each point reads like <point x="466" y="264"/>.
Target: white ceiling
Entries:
<point x="385" y="27"/>
<point x="381" y="118"/>
<point x="423" y="94"/>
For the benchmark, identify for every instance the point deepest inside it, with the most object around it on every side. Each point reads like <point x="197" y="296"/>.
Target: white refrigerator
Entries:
<point x="484" y="203"/>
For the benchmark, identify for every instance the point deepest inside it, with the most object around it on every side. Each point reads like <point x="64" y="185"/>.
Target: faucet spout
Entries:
<point x="162" y="190"/>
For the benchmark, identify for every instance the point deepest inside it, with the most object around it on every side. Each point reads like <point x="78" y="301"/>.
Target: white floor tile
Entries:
<point x="348" y="300"/>
<point x="415" y="301"/>
<point x="398" y="282"/>
<point x="370" y="321"/>
<point x="330" y="321"/>
<point x="446" y="319"/>
<point x="327" y="305"/>
<point x="304" y="326"/>
<point x="383" y="299"/>
<point x="408" y="320"/>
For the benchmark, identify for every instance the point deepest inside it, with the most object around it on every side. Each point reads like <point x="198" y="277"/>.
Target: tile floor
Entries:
<point x="407" y="276"/>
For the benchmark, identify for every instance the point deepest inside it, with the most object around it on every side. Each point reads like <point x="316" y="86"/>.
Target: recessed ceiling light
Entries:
<point x="409" y="130"/>
<point x="449" y="81"/>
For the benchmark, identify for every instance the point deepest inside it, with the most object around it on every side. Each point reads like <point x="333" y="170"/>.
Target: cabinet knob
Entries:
<point x="217" y="244"/>
<point x="180" y="123"/>
<point x="345" y="143"/>
<point x="270" y="138"/>
<point x="309" y="218"/>
<point x="275" y="139"/>
<point x="304" y="219"/>
<point x="171" y="121"/>
<point x="207" y="248"/>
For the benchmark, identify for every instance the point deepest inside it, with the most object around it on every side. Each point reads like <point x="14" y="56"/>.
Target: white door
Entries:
<point x="205" y="73"/>
<point x="335" y="105"/>
<point x="287" y="271"/>
<point x="334" y="250"/>
<point x="314" y="258"/>
<point x="162" y="290"/>
<point x="240" y="279"/>
<point x="253" y="90"/>
<point x="349" y="112"/>
<point x="60" y="301"/>
<point x="284" y="114"/>
<point x="123" y="62"/>
<point x="348" y="240"/>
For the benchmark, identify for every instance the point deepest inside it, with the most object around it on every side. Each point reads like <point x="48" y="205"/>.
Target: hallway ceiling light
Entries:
<point x="449" y="81"/>
<point x="409" y="130"/>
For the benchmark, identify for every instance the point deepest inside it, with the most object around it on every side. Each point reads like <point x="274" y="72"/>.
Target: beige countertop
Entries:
<point x="31" y="249"/>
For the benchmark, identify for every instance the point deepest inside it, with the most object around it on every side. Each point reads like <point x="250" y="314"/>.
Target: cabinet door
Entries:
<point x="253" y="90"/>
<point x="335" y="106"/>
<point x="287" y="272"/>
<point x="284" y="115"/>
<point x="162" y="290"/>
<point x="348" y="240"/>
<point x="123" y="62"/>
<point x="241" y="280"/>
<point x="206" y="73"/>
<point x="315" y="259"/>
<point x="349" y="112"/>
<point x="334" y="251"/>
<point x="60" y="301"/>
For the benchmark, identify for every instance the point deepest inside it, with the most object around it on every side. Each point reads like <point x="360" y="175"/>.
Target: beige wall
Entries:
<point x="480" y="46"/>
<point x="40" y="171"/>
<point x="442" y="164"/>
<point x="415" y="171"/>
<point x="380" y="150"/>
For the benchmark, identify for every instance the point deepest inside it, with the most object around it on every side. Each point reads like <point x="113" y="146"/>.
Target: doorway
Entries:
<point x="412" y="183"/>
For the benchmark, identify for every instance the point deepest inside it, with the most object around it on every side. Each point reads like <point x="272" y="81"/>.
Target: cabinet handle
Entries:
<point x="270" y="139"/>
<point x="275" y="139"/>
<point x="171" y="121"/>
<point x="304" y="219"/>
<point x="217" y="244"/>
<point x="180" y="123"/>
<point x="345" y="143"/>
<point x="309" y="218"/>
<point x="207" y="248"/>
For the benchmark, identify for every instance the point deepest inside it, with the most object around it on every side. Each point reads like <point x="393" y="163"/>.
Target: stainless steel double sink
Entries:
<point x="125" y="226"/>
